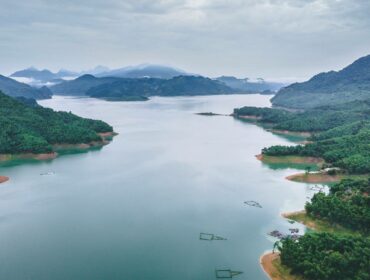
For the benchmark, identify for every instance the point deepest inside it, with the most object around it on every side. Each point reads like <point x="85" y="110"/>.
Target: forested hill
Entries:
<point x="29" y="128"/>
<point x="128" y="88"/>
<point x="348" y="84"/>
<point x="341" y="133"/>
<point x="81" y="85"/>
<point x="16" y="89"/>
<point x="181" y="85"/>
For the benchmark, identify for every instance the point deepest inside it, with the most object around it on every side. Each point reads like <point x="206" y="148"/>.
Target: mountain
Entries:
<point x="246" y="85"/>
<point x="16" y="89"/>
<point x="33" y="73"/>
<point x="95" y="71"/>
<point x="139" y="88"/>
<point x="39" y="78"/>
<point x="63" y="73"/>
<point x="43" y="75"/>
<point x="29" y="128"/>
<point x="81" y="85"/>
<point x="348" y="84"/>
<point x="136" y="89"/>
<point x="144" y="71"/>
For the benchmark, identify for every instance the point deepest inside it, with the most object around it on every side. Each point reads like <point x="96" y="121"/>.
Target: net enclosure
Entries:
<point x="210" y="237"/>
<point x="253" y="203"/>
<point x="226" y="273"/>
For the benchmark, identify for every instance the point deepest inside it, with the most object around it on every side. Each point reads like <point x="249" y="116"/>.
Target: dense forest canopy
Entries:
<point x="29" y="128"/>
<point x="324" y="256"/>
<point x="347" y="204"/>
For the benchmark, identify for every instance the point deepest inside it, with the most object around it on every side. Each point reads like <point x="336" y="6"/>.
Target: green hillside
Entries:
<point x="29" y="128"/>
<point x="349" y="84"/>
<point x="16" y="89"/>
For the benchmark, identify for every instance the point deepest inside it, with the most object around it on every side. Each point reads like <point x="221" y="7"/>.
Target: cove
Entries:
<point x="135" y="208"/>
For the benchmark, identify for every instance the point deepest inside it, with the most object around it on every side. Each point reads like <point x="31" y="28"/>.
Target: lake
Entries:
<point x="135" y="208"/>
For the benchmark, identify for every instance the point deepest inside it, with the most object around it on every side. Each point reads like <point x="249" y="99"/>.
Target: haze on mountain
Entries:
<point x="43" y="75"/>
<point x="247" y="85"/>
<point x="334" y="87"/>
<point x="36" y="77"/>
<point x="16" y="89"/>
<point x="144" y="71"/>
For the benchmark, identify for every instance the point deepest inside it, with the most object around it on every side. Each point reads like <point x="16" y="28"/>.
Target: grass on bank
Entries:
<point x="319" y="225"/>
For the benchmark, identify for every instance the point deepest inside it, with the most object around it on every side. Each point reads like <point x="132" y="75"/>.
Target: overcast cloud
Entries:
<point x="277" y="39"/>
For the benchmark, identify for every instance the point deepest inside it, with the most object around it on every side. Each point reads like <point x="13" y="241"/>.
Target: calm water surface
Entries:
<point x="134" y="209"/>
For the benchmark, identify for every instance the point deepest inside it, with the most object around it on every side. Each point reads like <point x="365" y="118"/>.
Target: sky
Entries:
<point x="281" y="40"/>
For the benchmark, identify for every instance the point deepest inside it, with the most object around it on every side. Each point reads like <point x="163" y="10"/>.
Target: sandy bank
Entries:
<point x="3" y="179"/>
<point x="106" y="138"/>
<point x="300" y="217"/>
<point x="315" y="178"/>
<point x="271" y="265"/>
<point x="255" y="118"/>
<point x="288" y="215"/>
<point x="289" y="159"/>
<point x="294" y="133"/>
<point x="107" y="134"/>
<point x="317" y="224"/>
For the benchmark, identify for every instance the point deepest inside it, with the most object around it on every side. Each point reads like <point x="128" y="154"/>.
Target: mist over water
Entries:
<point x="134" y="209"/>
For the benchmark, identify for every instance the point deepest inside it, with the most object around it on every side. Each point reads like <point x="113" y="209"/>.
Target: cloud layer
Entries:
<point x="269" y="38"/>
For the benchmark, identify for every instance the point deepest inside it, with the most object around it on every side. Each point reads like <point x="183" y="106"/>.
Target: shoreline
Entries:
<point x="106" y="139"/>
<point x="271" y="266"/>
<point x="3" y="179"/>
<point x="289" y="159"/>
<point x="314" y="178"/>
<point x="250" y="117"/>
<point x="304" y="134"/>
<point x="316" y="224"/>
<point x="297" y="216"/>
<point x="266" y="263"/>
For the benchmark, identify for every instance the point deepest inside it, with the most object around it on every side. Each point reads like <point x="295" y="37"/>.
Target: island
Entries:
<point x="140" y="89"/>
<point x="3" y="179"/>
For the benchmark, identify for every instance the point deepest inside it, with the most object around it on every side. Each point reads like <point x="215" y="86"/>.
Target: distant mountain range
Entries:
<point x="140" y="89"/>
<point x="334" y="87"/>
<point x="247" y="85"/>
<point x="144" y="71"/>
<point x="16" y="89"/>
<point x="36" y="77"/>
<point x="79" y="86"/>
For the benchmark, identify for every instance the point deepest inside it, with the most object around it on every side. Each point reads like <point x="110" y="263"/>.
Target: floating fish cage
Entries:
<point x="253" y="203"/>
<point x="210" y="237"/>
<point x="47" y="173"/>
<point x="294" y="230"/>
<point x="294" y="236"/>
<point x="316" y="188"/>
<point x="226" y="273"/>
